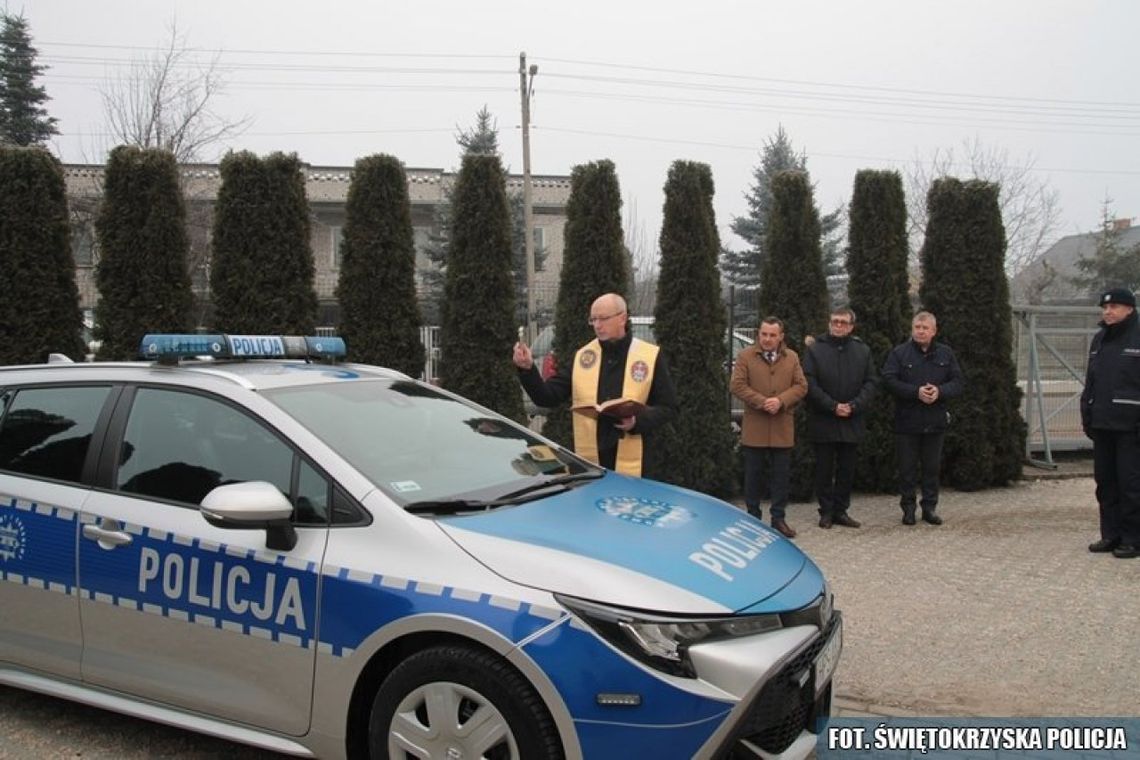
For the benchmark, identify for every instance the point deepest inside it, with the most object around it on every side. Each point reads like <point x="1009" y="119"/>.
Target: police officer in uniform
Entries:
<point x="1110" y="414"/>
<point x="613" y="365"/>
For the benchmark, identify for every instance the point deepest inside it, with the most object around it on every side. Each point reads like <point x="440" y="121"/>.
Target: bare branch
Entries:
<point x="165" y="100"/>
<point x="644" y="260"/>
<point x="1030" y="207"/>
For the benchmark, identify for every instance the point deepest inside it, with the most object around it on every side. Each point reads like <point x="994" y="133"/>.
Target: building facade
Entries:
<point x="327" y="192"/>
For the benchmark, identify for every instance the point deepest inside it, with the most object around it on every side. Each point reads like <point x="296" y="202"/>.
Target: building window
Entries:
<point x="83" y="246"/>
<point x="337" y="240"/>
<point x="539" y="246"/>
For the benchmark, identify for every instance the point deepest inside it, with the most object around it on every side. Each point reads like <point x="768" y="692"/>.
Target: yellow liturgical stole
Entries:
<point x="637" y="380"/>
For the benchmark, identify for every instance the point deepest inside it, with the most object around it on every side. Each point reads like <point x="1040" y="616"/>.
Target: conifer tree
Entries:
<point x="144" y="283"/>
<point x="262" y="271"/>
<point x="878" y="292"/>
<point x="377" y="288"/>
<point x="745" y="268"/>
<point x="40" y="312"/>
<point x="23" y="119"/>
<point x="696" y="451"/>
<point x="794" y="289"/>
<point x="964" y="286"/>
<point x="481" y="139"/>
<point x="593" y="264"/>
<point x="479" y="330"/>
<point x="1111" y="263"/>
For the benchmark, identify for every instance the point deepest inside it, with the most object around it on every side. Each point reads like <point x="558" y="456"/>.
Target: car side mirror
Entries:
<point x="251" y="505"/>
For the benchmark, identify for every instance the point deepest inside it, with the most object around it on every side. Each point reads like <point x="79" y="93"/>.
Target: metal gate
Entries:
<point x="1052" y="345"/>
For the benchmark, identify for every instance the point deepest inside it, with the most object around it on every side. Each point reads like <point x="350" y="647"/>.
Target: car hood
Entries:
<point x="641" y="544"/>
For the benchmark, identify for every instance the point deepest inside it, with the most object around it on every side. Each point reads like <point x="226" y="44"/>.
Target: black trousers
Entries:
<point x="919" y="450"/>
<point x="834" y="475"/>
<point x="779" y="467"/>
<point x="1116" y="467"/>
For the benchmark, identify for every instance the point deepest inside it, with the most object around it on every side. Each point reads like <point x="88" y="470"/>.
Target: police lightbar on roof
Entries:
<point x="171" y="348"/>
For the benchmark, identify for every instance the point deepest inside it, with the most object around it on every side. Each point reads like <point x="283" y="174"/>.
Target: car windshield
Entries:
<point x="419" y="444"/>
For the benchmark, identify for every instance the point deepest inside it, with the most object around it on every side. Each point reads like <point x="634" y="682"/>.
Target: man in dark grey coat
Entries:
<point x="841" y="383"/>
<point x="921" y="374"/>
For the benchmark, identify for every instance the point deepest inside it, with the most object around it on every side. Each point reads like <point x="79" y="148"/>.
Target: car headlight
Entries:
<point x="663" y="642"/>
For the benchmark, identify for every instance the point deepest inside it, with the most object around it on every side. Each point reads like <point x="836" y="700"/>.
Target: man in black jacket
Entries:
<point x="1110" y="414"/>
<point x="921" y="374"/>
<point x="841" y="383"/>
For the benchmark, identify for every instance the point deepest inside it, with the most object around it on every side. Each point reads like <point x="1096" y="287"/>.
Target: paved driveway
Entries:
<point x="1001" y="611"/>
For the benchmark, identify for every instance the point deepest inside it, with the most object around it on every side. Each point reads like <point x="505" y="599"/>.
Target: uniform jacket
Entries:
<point x="906" y="369"/>
<point x="662" y="395"/>
<point x="838" y="371"/>
<point x="753" y="381"/>
<point x="1111" y="398"/>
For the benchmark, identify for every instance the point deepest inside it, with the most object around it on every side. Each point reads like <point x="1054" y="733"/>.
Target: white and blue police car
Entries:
<point x="245" y="537"/>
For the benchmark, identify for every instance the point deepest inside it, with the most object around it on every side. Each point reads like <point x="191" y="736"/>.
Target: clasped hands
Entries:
<point x="771" y="405"/>
<point x="928" y="393"/>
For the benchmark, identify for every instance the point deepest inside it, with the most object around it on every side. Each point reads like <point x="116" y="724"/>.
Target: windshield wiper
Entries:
<point x="455" y="506"/>
<point x="450" y="506"/>
<point x="559" y="480"/>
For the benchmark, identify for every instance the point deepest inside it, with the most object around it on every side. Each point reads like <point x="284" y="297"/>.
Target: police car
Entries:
<point x="334" y="560"/>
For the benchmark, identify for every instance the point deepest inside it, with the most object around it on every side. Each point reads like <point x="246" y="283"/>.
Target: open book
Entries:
<point x="615" y="407"/>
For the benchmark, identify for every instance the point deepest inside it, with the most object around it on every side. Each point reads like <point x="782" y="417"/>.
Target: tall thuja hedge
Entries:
<point x="380" y="319"/>
<point x="261" y="276"/>
<point x="479" y="330"/>
<point x="878" y="292"/>
<point x="144" y="283"/>
<point x="594" y="262"/>
<point x="39" y="311"/>
<point x="696" y="451"/>
<point x="793" y="288"/>
<point x="964" y="285"/>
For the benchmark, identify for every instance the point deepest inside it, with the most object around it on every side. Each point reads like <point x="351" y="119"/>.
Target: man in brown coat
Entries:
<point x="768" y="378"/>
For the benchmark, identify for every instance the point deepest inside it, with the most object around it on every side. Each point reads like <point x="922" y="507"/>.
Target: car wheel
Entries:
<point x="457" y="701"/>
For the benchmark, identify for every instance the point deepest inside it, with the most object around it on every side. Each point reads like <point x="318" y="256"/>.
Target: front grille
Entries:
<point x="784" y="706"/>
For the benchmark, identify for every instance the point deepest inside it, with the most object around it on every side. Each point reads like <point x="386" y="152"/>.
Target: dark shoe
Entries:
<point x="930" y="517"/>
<point x="758" y="514"/>
<point x="1104" y="545"/>
<point x="846" y="520"/>
<point x="908" y="517"/>
<point x="784" y="528"/>
<point x="1126" y="551"/>
<point x="825" y="522"/>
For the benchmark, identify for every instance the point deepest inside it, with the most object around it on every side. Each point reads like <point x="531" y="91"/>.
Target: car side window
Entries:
<point x="46" y="432"/>
<point x="312" y="502"/>
<point x="180" y="446"/>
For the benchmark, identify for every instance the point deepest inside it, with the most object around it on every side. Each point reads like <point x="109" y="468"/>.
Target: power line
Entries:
<point x="810" y="83"/>
<point x="846" y="156"/>
<point x="919" y="107"/>
<point x="840" y="87"/>
<point x="878" y="116"/>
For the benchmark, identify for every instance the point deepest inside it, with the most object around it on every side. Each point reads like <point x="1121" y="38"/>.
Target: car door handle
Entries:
<point x="108" y="539"/>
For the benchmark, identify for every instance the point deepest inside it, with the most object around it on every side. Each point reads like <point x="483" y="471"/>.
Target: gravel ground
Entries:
<point x="1001" y="611"/>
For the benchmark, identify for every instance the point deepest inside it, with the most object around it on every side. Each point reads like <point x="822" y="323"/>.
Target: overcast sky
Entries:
<point x="857" y="85"/>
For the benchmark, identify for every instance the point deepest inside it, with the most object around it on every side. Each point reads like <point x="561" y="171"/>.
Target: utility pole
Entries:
<point x="526" y="87"/>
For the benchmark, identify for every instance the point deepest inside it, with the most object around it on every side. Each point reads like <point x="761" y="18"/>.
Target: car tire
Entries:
<point x="458" y="701"/>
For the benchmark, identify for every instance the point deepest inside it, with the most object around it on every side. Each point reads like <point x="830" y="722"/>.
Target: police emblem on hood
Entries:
<point x="648" y="512"/>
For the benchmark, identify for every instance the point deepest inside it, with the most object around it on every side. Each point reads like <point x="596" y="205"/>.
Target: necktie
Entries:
<point x="770" y="356"/>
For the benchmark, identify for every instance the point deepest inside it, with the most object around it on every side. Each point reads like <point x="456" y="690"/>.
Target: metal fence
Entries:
<point x="1051" y="345"/>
